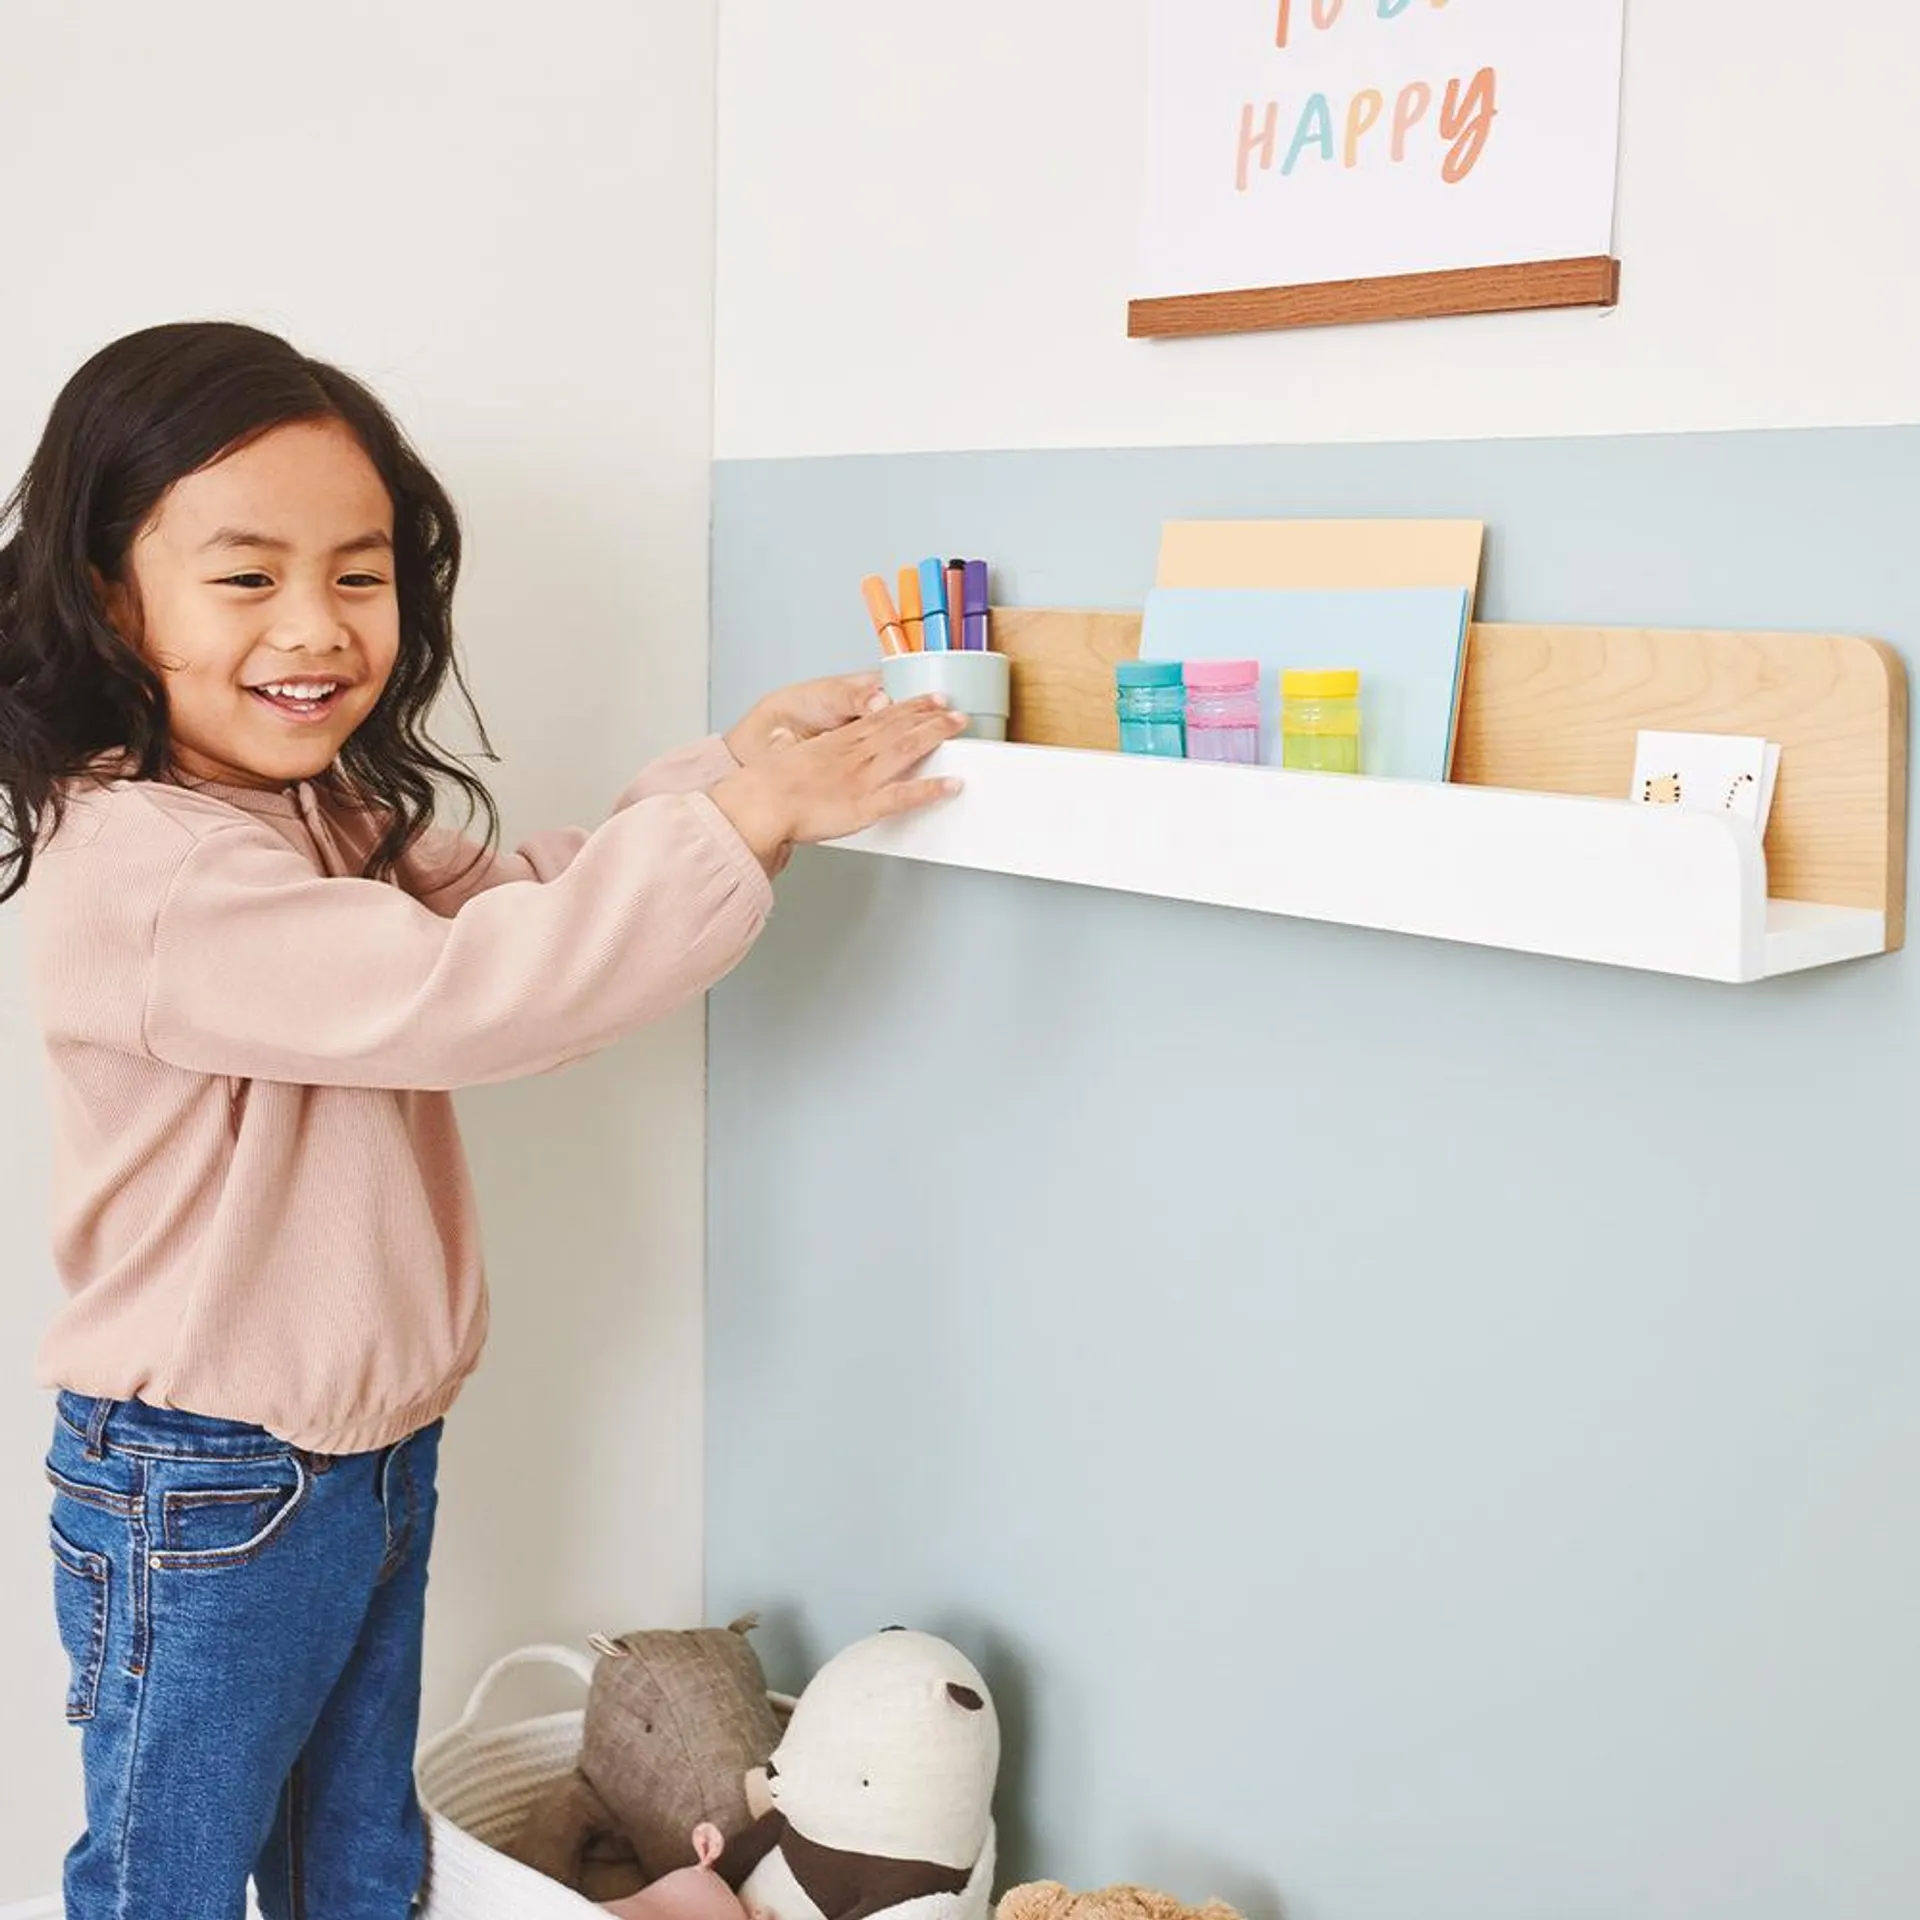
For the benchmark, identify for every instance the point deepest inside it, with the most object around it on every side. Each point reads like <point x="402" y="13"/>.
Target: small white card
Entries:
<point x="1707" y="773"/>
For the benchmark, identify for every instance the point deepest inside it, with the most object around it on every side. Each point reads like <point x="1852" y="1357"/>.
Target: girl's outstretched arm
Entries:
<point x="169" y="928"/>
<point x="445" y="870"/>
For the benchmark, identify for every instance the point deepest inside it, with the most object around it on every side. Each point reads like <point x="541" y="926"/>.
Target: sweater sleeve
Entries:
<point x="445" y="870"/>
<point x="263" y="969"/>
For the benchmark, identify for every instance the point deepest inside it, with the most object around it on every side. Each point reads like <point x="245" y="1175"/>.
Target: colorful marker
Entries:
<point x="956" y="603"/>
<point x="974" y="613"/>
<point x="933" y="601"/>
<point x="911" y="622"/>
<point x="886" y="622"/>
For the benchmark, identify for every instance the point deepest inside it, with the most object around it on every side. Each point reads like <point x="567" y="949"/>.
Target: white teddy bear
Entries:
<point x="880" y="1795"/>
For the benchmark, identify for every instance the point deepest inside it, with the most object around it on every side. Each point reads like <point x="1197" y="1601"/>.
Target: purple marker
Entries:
<point x="974" y="610"/>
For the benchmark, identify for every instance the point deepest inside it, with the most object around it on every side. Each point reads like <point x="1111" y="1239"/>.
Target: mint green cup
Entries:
<point x="976" y="684"/>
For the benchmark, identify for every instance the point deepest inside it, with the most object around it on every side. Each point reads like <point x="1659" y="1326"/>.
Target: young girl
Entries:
<point x="225" y="617"/>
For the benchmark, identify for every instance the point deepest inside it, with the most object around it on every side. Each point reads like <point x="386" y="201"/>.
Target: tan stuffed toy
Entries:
<point x="1049" y="1900"/>
<point x="675" y="1722"/>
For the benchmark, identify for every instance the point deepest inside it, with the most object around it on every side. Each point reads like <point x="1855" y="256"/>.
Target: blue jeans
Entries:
<point x="243" y="1621"/>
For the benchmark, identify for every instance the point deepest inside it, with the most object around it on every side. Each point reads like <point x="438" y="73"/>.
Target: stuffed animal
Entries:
<point x="1049" y="1900"/>
<point x="881" y="1791"/>
<point x="674" y="1723"/>
<point x="688" y="1893"/>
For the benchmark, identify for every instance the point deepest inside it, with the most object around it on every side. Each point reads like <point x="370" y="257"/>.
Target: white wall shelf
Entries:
<point x="1579" y="879"/>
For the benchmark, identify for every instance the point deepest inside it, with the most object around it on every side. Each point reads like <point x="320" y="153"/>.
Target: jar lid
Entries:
<point x="1147" y="673"/>
<point x="1222" y="676"/>
<point x="1340" y="684"/>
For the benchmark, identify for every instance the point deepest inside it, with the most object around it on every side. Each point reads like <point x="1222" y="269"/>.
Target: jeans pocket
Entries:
<point x="232" y="1518"/>
<point x="83" y="1493"/>
<point x="81" y="1589"/>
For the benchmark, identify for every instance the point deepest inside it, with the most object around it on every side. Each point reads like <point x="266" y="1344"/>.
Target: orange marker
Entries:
<point x="956" y="601"/>
<point x="886" y="623"/>
<point x="912" y="615"/>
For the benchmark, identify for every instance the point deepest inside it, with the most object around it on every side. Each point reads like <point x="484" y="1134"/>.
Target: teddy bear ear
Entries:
<point x="1037" y="1900"/>
<point x="744" y="1625"/>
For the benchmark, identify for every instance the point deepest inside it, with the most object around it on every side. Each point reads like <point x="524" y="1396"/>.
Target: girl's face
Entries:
<point x="262" y="592"/>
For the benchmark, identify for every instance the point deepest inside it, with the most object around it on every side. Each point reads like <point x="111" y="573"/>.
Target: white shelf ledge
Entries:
<point x="1594" y="880"/>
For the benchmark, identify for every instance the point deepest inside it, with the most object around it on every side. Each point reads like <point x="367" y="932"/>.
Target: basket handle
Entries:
<point x="576" y="1663"/>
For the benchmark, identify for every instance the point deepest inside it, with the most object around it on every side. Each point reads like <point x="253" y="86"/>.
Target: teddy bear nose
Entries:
<point x="773" y="1772"/>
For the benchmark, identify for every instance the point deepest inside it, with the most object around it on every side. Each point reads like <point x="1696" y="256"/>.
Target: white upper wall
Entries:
<point x="882" y="289"/>
<point x="503" y="218"/>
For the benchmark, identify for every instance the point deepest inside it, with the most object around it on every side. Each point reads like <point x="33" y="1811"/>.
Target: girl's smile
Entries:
<point x="263" y="591"/>
<point x="301" y="702"/>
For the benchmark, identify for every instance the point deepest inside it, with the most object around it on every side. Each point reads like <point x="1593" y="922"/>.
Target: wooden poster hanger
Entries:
<point x="1530" y="286"/>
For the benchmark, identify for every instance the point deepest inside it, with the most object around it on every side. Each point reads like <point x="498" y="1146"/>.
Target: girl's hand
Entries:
<point x="836" y="783"/>
<point x="798" y="713"/>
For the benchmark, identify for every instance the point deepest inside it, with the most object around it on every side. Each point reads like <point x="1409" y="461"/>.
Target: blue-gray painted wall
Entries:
<point x="1411" y="1433"/>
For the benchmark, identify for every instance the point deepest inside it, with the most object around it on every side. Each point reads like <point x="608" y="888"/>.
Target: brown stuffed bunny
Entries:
<point x="1049" y="1900"/>
<point x="674" y="1724"/>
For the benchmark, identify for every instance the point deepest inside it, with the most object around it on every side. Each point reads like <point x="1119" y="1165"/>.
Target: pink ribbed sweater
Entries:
<point x="261" y="1207"/>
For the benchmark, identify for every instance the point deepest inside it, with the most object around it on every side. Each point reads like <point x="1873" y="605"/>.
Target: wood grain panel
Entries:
<point x="1555" y="710"/>
<point x="1063" y="666"/>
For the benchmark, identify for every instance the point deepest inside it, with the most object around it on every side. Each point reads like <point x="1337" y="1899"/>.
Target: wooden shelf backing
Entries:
<point x="1591" y="281"/>
<point x="1618" y="885"/>
<point x="1555" y="710"/>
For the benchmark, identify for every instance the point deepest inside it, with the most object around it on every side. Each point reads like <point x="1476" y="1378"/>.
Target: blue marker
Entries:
<point x="933" y="606"/>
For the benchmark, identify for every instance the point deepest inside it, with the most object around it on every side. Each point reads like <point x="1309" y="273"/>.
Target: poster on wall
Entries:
<point x="1313" y="162"/>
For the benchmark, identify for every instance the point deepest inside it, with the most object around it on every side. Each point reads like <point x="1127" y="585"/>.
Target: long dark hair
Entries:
<point x="141" y="414"/>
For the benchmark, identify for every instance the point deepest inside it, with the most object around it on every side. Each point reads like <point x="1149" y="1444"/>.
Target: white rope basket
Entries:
<point x="477" y="1787"/>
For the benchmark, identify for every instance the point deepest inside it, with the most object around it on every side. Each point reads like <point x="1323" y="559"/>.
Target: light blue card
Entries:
<point x="1408" y="643"/>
